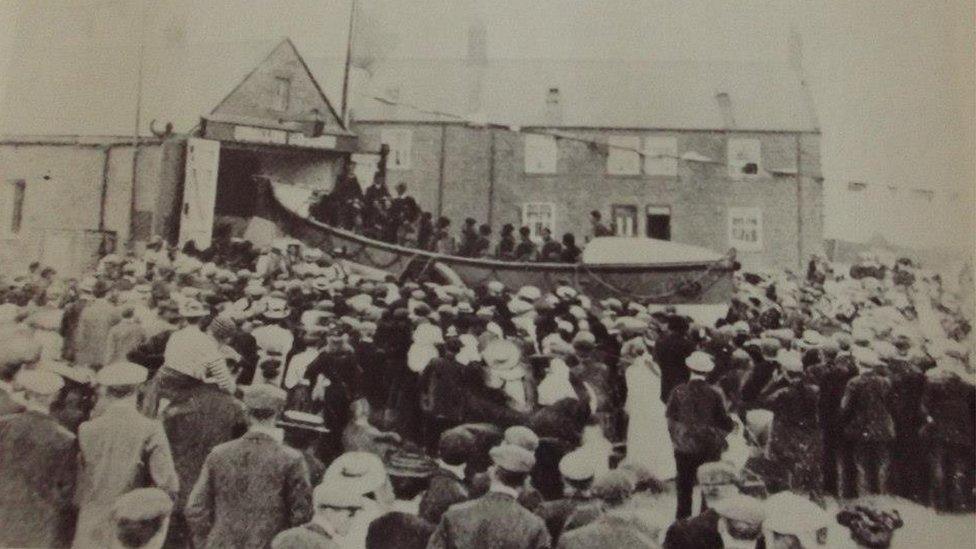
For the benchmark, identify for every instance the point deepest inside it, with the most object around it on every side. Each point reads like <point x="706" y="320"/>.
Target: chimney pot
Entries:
<point x="725" y="109"/>
<point x="554" y="111"/>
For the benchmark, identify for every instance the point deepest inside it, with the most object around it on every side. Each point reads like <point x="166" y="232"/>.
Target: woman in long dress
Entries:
<point x="648" y="441"/>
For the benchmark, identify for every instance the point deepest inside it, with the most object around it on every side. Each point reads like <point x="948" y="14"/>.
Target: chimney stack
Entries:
<point x="554" y="110"/>
<point x="725" y="109"/>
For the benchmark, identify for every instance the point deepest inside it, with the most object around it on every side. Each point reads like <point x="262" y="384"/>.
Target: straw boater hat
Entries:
<point x="502" y="357"/>
<point x="700" y="362"/>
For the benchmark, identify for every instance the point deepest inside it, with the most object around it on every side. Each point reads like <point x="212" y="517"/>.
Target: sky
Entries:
<point x="893" y="83"/>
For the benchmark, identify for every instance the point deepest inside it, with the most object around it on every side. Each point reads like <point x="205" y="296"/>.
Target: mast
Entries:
<point x="345" y="75"/>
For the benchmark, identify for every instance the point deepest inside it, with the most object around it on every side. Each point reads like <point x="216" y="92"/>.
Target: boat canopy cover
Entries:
<point x="623" y="250"/>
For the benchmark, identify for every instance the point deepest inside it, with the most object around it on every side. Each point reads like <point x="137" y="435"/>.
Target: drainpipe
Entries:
<point x="440" y="173"/>
<point x="103" y="200"/>
<point x="491" y="175"/>
<point x="799" y="207"/>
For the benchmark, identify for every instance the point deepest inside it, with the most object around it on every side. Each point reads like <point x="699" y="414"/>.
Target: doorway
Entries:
<point x="659" y="222"/>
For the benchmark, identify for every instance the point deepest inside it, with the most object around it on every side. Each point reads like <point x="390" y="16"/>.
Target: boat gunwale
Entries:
<point x="721" y="264"/>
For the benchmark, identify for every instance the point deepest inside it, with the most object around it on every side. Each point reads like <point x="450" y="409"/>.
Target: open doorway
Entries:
<point x="235" y="181"/>
<point x="659" y="222"/>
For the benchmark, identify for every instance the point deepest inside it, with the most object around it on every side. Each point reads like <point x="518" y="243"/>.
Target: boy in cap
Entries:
<point x="740" y="521"/>
<point x="718" y="483"/>
<point x="37" y="468"/>
<point x="698" y="425"/>
<point x="495" y="519"/>
<point x="140" y="519"/>
<point x="229" y="505"/>
<point x="334" y="510"/>
<point x="121" y="450"/>
<point x="447" y="485"/>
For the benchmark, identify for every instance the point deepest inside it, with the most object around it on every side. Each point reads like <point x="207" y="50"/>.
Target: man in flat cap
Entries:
<point x="334" y="510"/>
<point x="37" y="468"/>
<point x="717" y="480"/>
<point x="577" y="473"/>
<point x="91" y="335"/>
<point x="447" y="485"/>
<point x="698" y="425"/>
<point x="867" y="424"/>
<point x="120" y="450"/>
<point x="495" y="519"/>
<point x="612" y="526"/>
<point x="140" y="519"/>
<point x="230" y="504"/>
<point x="200" y="417"/>
<point x="670" y="352"/>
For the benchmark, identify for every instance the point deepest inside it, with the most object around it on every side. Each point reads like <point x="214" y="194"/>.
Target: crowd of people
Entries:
<point x="398" y="219"/>
<point x="235" y="397"/>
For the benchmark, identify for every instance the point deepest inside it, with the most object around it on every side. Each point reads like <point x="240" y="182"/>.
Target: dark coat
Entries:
<point x="864" y="412"/>
<point x="555" y="513"/>
<point x="832" y="378"/>
<point x="699" y="532"/>
<point x="37" y="475"/>
<point x="442" y="383"/>
<point x="952" y="406"/>
<point x="444" y="490"/>
<point x="8" y="405"/>
<point x="697" y="420"/>
<point x="795" y="439"/>
<point x="493" y="521"/>
<point x="670" y="353"/>
<point x="204" y="418"/>
<point x="619" y="531"/>
<point x="249" y="490"/>
<point x="907" y="385"/>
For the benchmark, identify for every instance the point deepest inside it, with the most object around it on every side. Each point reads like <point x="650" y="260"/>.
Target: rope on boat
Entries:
<point x="694" y="286"/>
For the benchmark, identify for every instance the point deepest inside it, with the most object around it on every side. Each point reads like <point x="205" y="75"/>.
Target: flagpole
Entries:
<point x="138" y="117"/>
<point x="345" y="75"/>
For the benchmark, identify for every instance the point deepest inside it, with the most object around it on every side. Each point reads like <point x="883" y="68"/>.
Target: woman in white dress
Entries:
<point x="648" y="441"/>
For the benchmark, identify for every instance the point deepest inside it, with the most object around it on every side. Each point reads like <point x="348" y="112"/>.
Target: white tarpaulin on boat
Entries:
<point x="642" y="251"/>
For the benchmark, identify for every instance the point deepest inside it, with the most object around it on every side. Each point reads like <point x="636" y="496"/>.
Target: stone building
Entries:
<point x="64" y="199"/>
<point x="712" y="154"/>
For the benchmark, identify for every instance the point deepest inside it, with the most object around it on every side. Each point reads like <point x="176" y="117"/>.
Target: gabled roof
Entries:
<point x="249" y="97"/>
<point x="186" y="82"/>
<point x="648" y="93"/>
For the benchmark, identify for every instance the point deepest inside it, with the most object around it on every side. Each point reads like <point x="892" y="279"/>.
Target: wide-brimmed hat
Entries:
<point x="191" y="308"/>
<point x="501" y="355"/>
<point x="700" y="362"/>
<point x="293" y="419"/>
<point x="276" y="309"/>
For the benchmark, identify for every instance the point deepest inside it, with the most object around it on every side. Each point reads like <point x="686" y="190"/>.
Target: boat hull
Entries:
<point x="707" y="282"/>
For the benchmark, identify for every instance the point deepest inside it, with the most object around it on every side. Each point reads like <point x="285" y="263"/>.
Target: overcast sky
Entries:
<point x="893" y="81"/>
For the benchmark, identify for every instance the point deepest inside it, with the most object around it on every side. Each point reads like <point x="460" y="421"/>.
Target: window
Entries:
<point x="13" y="206"/>
<point x="744" y="158"/>
<point x="659" y="222"/>
<point x="624" y="220"/>
<point x="661" y="155"/>
<point x="746" y="229"/>
<point x="623" y="157"/>
<point x="400" y="142"/>
<point x="541" y="153"/>
<point x="536" y="215"/>
<point x="282" y="91"/>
